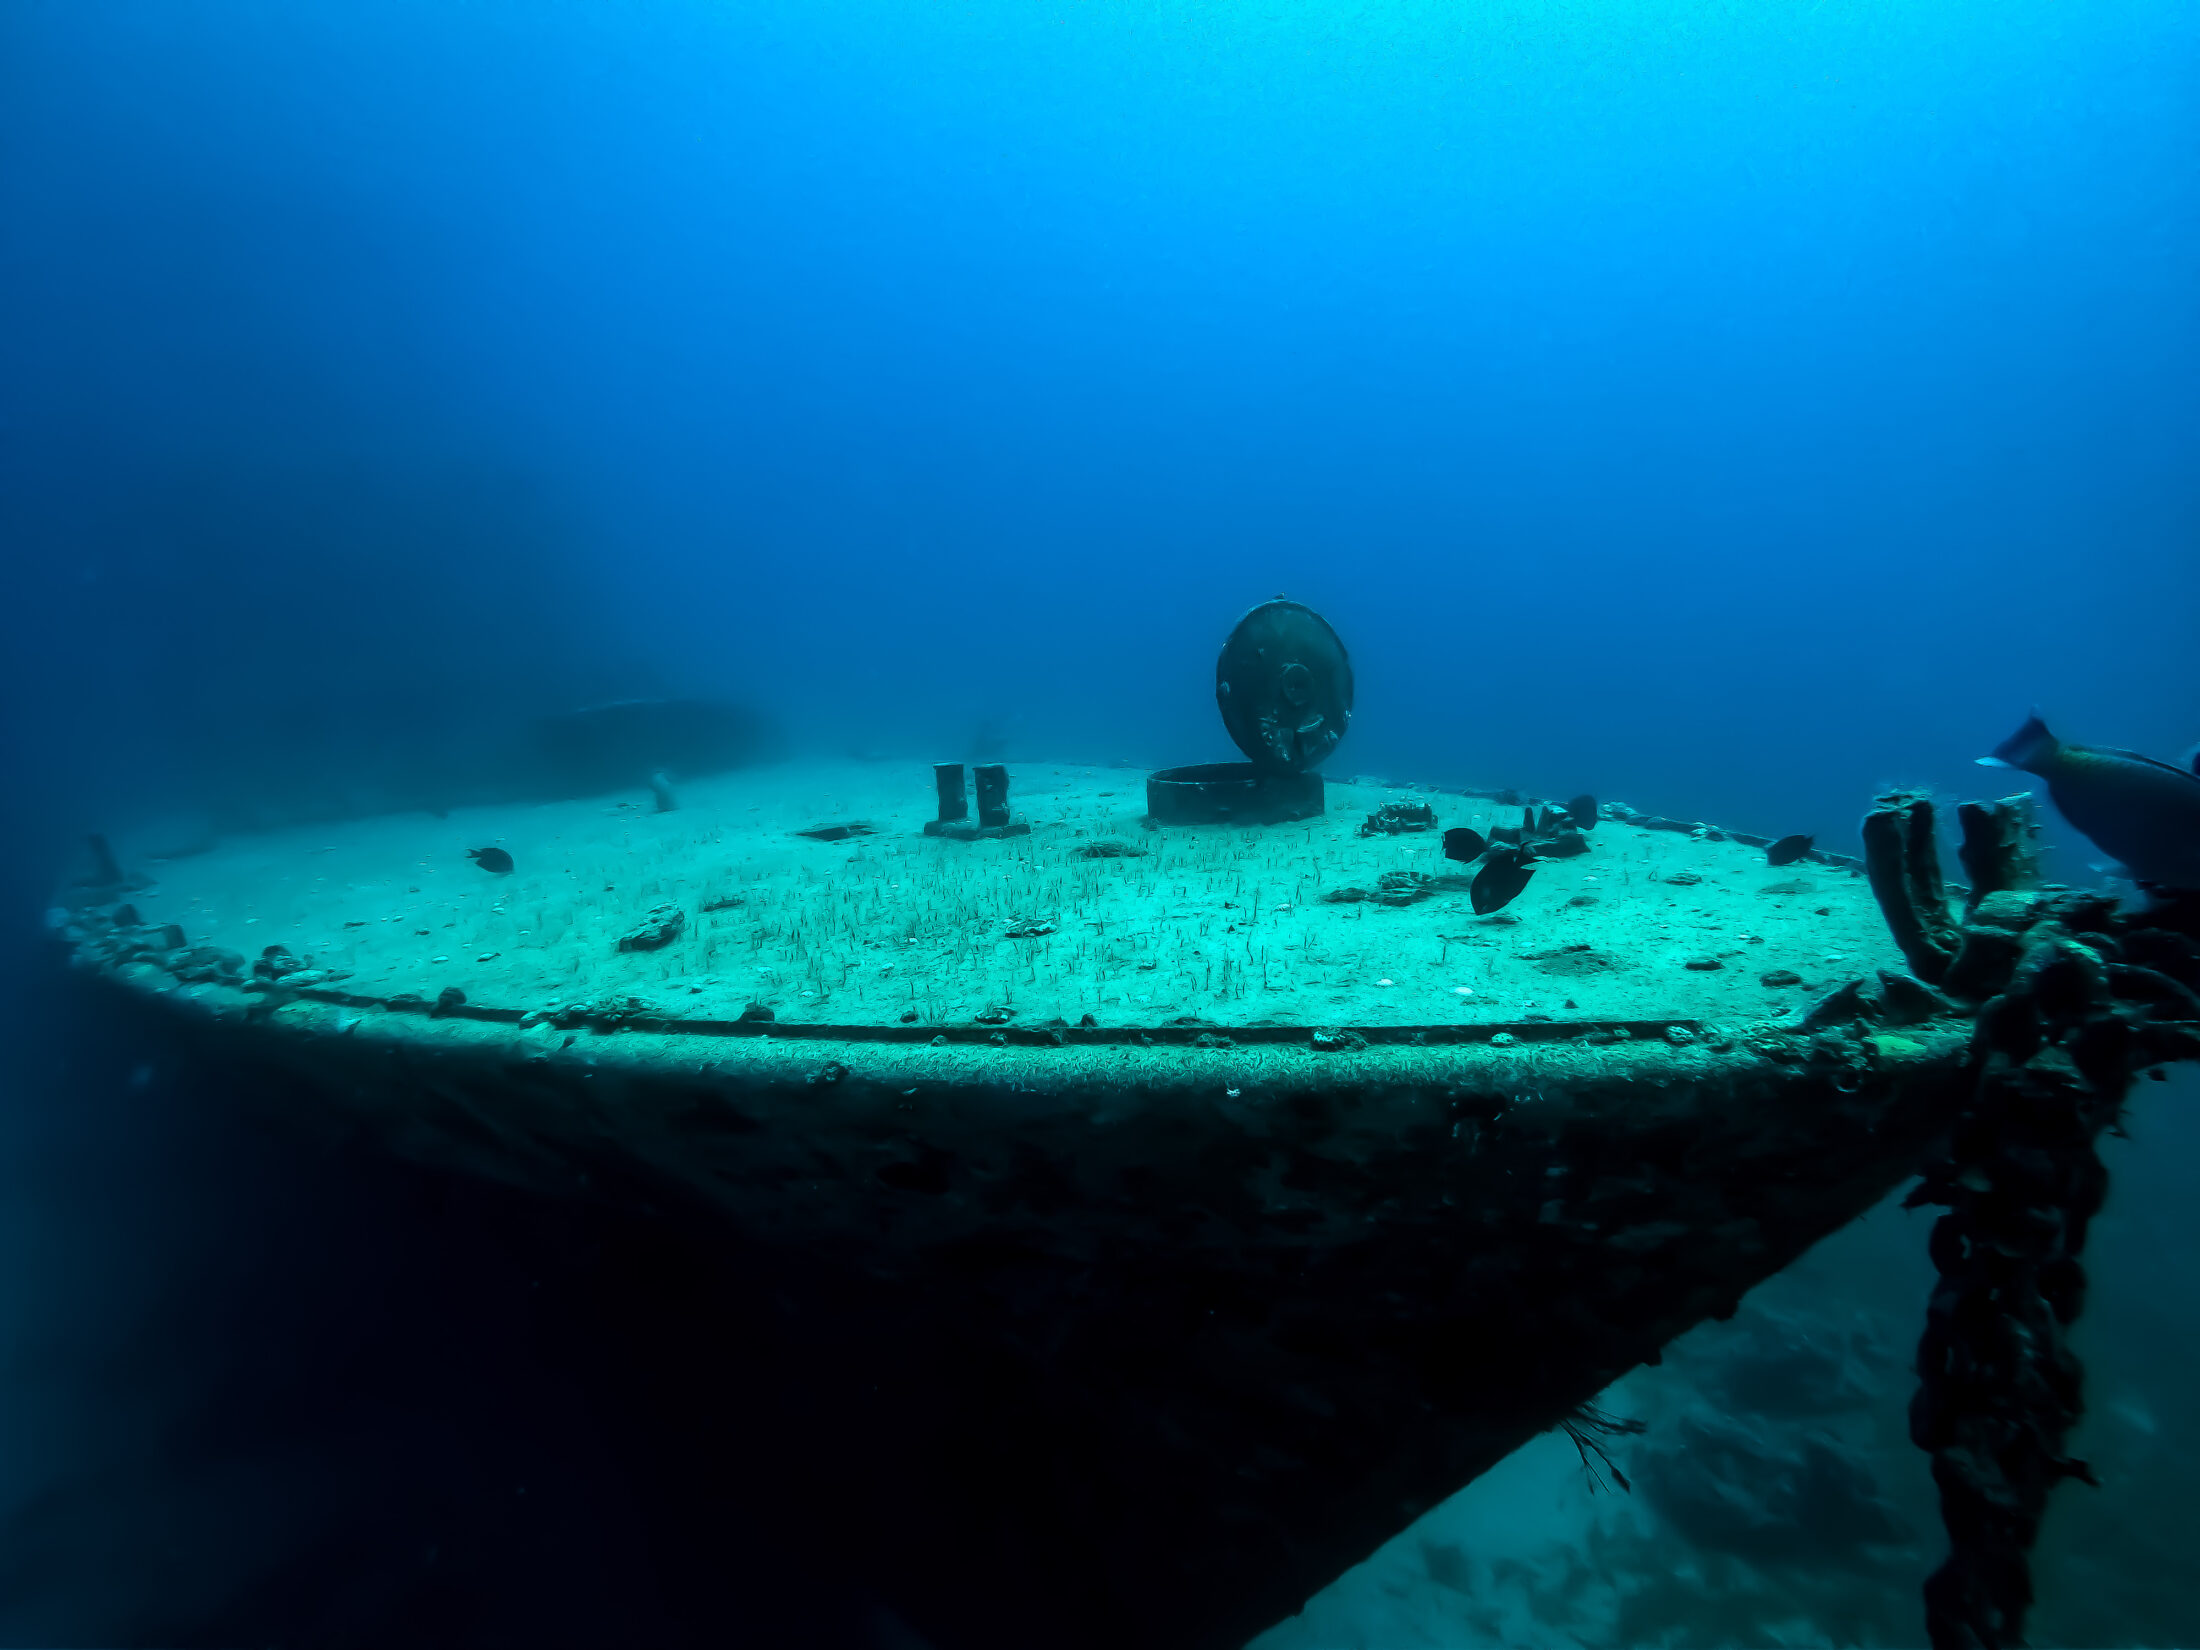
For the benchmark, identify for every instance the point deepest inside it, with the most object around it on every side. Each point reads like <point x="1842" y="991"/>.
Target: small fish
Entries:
<point x="1463" y="844"/>
<point x="494" y="860"/>
<point x="1583" y="812"/>
<point x="2142" y="813"/>
<point x="1788" y="849"/>
<point x="1500" y="880"/>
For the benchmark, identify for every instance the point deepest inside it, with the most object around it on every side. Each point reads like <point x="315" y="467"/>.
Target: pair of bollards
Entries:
<point x="994" y="819"/>
<point x="992" y="780"/>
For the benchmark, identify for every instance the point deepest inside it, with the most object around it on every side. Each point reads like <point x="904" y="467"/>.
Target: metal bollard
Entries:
<point x="992" y="794"/>
<point x="954" y="804"/>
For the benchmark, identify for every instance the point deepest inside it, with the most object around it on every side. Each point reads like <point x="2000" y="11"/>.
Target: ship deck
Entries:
<point x="1091" y="914"/>
<point x="1332" y="1204"/>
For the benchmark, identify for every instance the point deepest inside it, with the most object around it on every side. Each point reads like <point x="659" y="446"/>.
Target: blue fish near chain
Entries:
<point x="2142" y="813"/>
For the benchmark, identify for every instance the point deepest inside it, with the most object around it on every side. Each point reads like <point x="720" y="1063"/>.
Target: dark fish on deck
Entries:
<point x="1463" y="844"/>
<point x="495" y="860"/>
<point x="1788" y="850"/>
<point x="1583" y="812"/>
<point x="1500" y="880"/>
<point x="2142" y="813"/>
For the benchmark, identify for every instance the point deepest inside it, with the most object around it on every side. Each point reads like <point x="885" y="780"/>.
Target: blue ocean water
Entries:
<point x="1731" y="410"/>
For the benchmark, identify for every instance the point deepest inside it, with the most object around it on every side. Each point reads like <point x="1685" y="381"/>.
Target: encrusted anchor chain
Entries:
<point x="2073" y="998"/>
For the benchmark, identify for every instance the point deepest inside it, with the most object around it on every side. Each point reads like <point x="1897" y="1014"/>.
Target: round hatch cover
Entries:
<point x="1284" y="683"/>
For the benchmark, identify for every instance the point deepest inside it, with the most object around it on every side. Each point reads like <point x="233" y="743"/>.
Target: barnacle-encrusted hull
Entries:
<point x="1137" y="1332"/>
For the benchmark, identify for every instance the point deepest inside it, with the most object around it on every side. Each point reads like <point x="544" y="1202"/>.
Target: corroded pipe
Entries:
<point x="2001" y="849"/>
<point x="1903" y="863"/>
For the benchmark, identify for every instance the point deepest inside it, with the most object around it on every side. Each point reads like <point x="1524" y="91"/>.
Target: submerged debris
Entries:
<point x="1397" y="818"/>
<point x="1403" y="888"/>
<point x="1903" y="1001"/>
<point x="1030" y="928"/>
<point x="1109" y="847"/>
<point x="1572" y="960"/>
<point x="840" y="833"/>
<point x="1553" y="833"/>
<point x="607" y="1014"/>
<point x="275" y="970"/>
<point x="1396" y="888"/>
<point x="276" y="961"/>
<point x="209" y="964"/>
<point x="1837" y="1007"/>
<point x="656" y="931"/>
